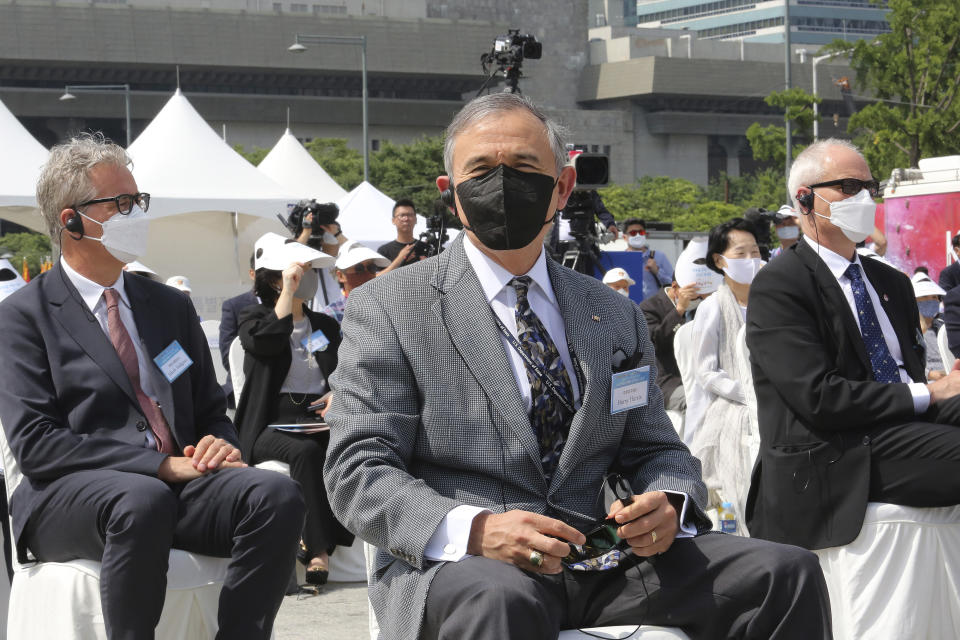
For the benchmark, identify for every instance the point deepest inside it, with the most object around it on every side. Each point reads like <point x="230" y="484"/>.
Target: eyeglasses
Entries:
<point x="124" y="202"/>
<point x="852" y="186"/>
<point x="602" y="536"/>
<point x="405" y="215"/>
<point x="635" y="232"/>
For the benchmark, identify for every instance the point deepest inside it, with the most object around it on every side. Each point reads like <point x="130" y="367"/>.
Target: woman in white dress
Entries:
<point x="718" y="420"/>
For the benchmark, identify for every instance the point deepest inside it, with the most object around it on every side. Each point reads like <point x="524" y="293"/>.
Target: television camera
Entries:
<point x="323" y="214"/>
<point x="507" y="56"/>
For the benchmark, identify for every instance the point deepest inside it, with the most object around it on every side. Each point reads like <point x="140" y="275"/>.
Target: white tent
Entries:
<point x="208" y="204"/>
<point x="366" y="215"/>
<point x="292" y="166"/>
<point x="20" y="164"/>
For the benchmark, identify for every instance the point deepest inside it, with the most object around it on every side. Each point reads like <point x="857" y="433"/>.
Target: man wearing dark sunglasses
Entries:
<point x="845" y="413"/>
<point x="356" y="264"/>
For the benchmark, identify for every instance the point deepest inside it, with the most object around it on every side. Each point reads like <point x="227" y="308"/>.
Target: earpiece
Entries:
<point x="447" y="196"/>
<point x="805" y="200"/>
<point x="74" y="223"/>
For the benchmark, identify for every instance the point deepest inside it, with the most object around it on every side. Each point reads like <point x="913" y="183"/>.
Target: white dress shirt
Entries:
<point x="92" y="295"/>
<point x="449" y="541"/>
<point x="838" y="266"/>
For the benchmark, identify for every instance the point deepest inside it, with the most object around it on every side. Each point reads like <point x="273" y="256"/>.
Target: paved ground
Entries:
<point x="339" y="612"/>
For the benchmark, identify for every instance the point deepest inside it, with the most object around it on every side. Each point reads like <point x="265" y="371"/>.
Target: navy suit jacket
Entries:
<point x="229" y="327"/>
<point x="66" y="403"/>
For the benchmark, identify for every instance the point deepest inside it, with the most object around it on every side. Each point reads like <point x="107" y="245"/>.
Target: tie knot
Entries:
<point x="853" y="271"/>
<point x="112" y="297"/>
<point x="521" y="284"/>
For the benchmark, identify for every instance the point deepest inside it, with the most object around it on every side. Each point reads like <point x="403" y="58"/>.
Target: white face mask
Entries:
<point x="742" y="270"/>
<point x="854" y="216"/>
<point x="623" y="292"/>
<point x="124" y="236"/>
<point x="693" y="304"/>
<point x="329" y="238"/>
<point x="788" y="233"/>
<point x="638" y="241"/>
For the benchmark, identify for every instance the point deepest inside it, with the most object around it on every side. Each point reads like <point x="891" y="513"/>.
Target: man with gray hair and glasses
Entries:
<point x="111" y="409"/>
<point x="845" y="412"/>
<point x="483" y="396"/>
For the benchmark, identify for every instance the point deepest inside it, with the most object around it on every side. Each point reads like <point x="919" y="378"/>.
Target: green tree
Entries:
<point x="914" y="72"/>
<point x="705" y="215"/>
<point x="255" y="156"/>
<point x="763" y="188"/>
<point x="343" y="164"/>
<point x="34" y="246"/>
<point x="768" y="143"/>
<point x="410" y="171"/>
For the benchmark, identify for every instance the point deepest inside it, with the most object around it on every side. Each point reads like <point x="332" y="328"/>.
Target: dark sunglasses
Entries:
<point x="362" y="268"/>
<point x="602" y="535"/>
<point x="124" y="202"/>
<point x="852" y="186"/>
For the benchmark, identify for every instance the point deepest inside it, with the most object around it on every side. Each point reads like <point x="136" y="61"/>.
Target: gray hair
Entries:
<point x="496" y="103"/>
<point x="65" y="179"/>
<point x="811" y="165"/>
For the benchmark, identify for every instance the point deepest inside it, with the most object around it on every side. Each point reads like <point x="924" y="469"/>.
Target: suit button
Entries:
<point x="866" y="440"/>
<point x="141" y="425"/>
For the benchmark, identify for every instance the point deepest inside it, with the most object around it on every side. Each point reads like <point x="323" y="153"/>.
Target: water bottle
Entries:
<point x="728" y="519"/>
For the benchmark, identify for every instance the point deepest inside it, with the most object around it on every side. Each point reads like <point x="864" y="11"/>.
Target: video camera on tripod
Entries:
<point x="507" y="56"/>
<point x="593" y="172"/>
<point x="431" y="241"/>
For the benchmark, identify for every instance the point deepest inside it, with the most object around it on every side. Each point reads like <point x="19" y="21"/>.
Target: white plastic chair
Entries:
<point x="62" y="599"/>
<point x="900" y="578"/>
<point x="944" y="346"/>
<point x="237" y="375"/>
<point x="211" y="330"/>
<point x="683" y="351"/>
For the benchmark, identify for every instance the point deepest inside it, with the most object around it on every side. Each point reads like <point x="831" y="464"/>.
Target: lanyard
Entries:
<point x="537" y="369"/>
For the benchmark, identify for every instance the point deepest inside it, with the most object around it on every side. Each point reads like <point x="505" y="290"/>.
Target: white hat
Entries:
<point x="924" y="286"/>
<point x="616" y="275"/>
<point x="353" y="253"/>
<point x="12" y="280"/>
<point x="692" y="269"/>
<point x="786" y="210"/>
<point x="273" y="251"/>
<point x="138" y="267"/>
<point x="180" y="282"/>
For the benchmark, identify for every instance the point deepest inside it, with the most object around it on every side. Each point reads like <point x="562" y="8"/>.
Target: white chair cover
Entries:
<point x="632" y="632"/>
<point x="684" y="352"/>
<point x="237" y="376"/>
<point x="211" y="330"/>
<point x="945" y="354"/>
<point x="900" y="578"/>
<point x="62" y="599"/>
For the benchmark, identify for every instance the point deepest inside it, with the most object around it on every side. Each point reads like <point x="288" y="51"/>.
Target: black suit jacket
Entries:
<point x="663" y="322"/>
<point x="229" y="325"/>
<point x="950" y="277"/>
<point x="951" y="318"/>
<point x="66" y="402"/>
<point x="817" y="399"/>
<point x="266" y="362"/>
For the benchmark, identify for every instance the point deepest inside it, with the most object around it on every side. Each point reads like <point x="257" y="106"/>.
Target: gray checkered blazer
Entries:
<point x="428" y="416"/>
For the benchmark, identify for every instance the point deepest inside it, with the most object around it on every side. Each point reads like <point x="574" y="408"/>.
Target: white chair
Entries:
<point x="683" y="351"/>
<point x="62" y="599"/>
<point x="900" y="578"/>
<point x="237" y="375"/>
<point x="945" y="354"/>
<point x="211" y="330"/>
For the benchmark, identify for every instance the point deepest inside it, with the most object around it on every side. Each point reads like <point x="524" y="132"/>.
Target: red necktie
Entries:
<point x="128" y="356"/>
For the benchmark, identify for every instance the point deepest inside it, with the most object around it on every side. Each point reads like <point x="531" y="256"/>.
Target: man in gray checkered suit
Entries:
<point x="482" y="397"/>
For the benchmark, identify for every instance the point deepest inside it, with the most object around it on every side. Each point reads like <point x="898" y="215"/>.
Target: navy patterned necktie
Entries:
<point x="550" y="419"/>
<point x="884" y="366"/>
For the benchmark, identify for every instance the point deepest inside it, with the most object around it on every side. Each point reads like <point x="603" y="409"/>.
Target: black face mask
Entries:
<point x="506" y="207"/>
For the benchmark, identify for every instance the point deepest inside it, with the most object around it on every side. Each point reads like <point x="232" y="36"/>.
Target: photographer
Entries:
<point x="404" y="219"/>
<point x="315" y="225"/>
<point x="657" y="270"/>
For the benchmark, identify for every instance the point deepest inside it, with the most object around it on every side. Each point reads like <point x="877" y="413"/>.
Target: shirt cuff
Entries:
<point x="687" y="530"/>
<point x="449" y="541"/>
<point x="921" y="397"/>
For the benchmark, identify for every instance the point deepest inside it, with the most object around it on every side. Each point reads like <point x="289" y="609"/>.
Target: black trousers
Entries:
<point x="915" y="464"/>
<point x="129" y="522"/>
<point x="711" y="586"/>
<point x="305" y="455"/>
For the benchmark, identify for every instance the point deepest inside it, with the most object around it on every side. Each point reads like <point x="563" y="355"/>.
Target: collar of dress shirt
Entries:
<point x="493" y="278"/>
<point x="90" y="291"/>
<point x="834" y="261"/>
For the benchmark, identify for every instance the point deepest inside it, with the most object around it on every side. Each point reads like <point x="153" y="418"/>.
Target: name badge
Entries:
<point x="173" y="361"/>
<point x="629" y="390"/>
<point x="316" y="341"/>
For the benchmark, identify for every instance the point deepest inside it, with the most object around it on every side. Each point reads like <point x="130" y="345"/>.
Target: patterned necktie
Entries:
<point x="550" y="419"/>
<point x="884" y="366"/>
<point x="128" y="356"/>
